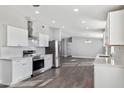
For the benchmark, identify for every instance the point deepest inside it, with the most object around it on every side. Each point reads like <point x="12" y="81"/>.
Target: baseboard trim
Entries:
<point x="83" y="57"/>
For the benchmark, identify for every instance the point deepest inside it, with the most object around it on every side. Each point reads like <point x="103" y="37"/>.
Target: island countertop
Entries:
<point x="12" y="58"/>
<point x="107" y="62"/>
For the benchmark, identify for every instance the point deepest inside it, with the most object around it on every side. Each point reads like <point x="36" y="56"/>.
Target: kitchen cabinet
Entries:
<point x="106" y="33"/>
<point x="15" y="70"/>
<point x="55" y="33"/>
<point x="13" y="36"/>
<point x="48" y="62"/>
<point x="22" y="68"/>
<point x="114" y="33"/>
<point x="43" y="40"/>
<point x="108" y="75"/>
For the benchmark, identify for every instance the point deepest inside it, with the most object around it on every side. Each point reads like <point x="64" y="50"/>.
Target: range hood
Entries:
<point x="30" y="31"/>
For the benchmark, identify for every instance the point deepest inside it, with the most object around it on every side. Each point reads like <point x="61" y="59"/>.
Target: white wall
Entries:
<point x="10" y="52"/>
<point x="90" y="50"/>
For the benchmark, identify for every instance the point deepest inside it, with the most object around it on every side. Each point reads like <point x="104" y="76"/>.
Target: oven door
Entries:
<point x="38" y="64"/>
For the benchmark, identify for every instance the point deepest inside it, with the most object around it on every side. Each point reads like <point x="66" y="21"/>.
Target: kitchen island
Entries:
<point x="107" y="74"/>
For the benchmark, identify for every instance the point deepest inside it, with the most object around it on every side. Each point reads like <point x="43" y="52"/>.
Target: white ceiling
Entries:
<point x="94" y="15"/>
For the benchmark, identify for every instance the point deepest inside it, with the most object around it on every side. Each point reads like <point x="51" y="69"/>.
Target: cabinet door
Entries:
<point x="48" y="61"/>
<point x="16" y="36"/>
<point x="22" y="68"/>
<point x="27" y="67"/>
<point x="46" y="42"/>
<point x="106" y="35"/>
<point x="17" y="69"/>
<point x="117" y="28"/>
<point x="43" y="40"/>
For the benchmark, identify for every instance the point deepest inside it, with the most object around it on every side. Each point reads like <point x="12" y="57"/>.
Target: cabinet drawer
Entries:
<point x="48" y="57"/>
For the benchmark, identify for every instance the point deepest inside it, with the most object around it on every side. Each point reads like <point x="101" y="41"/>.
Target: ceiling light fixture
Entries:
<point x="53" y="21"/>
<point x="83" y="22"/>
<point x="37" y="12"/>
<point x="88" y="41"/>
<point x="76" y="10"/>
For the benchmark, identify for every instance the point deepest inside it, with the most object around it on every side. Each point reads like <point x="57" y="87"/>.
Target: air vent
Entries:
<point x="43" y="26"/>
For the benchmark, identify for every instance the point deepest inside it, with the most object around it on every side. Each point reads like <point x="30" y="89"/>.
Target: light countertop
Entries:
<point x="107" y="62"/>
<point x="12" y="58"/>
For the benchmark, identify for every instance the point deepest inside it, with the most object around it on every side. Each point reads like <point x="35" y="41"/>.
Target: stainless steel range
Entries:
<point x="38" y="64"/>
<point x="38" y="61"/>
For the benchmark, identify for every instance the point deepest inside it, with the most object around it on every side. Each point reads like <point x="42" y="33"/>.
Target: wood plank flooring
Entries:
<point x="74" y="73"/>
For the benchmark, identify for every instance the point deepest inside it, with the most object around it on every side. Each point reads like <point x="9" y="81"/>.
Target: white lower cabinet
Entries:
<point x="21" y="69"/>
<point x="48" y="62"/>
<point x="16" y="70"/>
<point x="108" y="76"/>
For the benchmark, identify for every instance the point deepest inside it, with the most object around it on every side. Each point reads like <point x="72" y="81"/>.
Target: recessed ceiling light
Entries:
<point x="53" y="21"/>
<point x="37" y="12"/>
<point x="87" y="27"/>
<point x="75" y="10"/>
<point x="83" y="22"/>
<point x="88" y="41"/>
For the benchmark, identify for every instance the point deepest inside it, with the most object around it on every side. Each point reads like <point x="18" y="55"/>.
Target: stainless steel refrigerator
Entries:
<point x="55" y="49"/>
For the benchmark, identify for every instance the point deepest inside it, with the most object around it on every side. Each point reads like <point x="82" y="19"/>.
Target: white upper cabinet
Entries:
<point x="55" y="34"/>
<point x="13" y="36"/>
<point x="43" y="40"/>
<point x="17" y="36"/>
<point x="106" y="33"/>
<point x="114" y="34"/>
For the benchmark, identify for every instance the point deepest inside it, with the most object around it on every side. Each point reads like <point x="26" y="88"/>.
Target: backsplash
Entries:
<point x="17" y="51"/>
<point x="40" y="50"/>
<point x="117" y="53"/>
